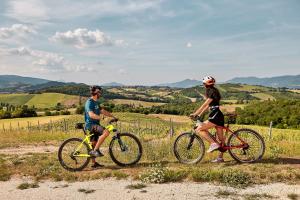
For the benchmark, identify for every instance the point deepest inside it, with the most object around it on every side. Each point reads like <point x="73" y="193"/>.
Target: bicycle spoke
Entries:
<point x="252" y="152"/>
<point x="126" y="150"/>
<point x="186" y="151"/>
<point x="71" y="156"/>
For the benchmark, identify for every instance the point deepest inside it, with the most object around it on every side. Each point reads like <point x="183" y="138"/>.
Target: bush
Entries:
<point x="233" y="178"/>
<point x="156" y="174"/>
<point x="79" y="110"/>
<point x="48" y="113"/>
<point x="65" y="112"/>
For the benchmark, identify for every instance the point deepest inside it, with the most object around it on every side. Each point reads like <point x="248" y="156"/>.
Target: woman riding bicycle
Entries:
<point x="216" y="117"/>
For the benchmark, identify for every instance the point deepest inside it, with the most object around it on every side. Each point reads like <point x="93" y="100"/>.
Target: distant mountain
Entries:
<point x="279" y="81"/>
<point x="113" y="84"/>
<point x="187" y="83"/>
<point x="11" y="81"/>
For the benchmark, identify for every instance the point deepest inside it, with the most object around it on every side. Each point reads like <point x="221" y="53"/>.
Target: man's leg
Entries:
<point x="101" y="139"/>
<point x="93" y="145"/>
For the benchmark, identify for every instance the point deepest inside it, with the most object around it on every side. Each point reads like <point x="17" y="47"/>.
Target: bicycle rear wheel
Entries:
<point x="189" y="148"/>
<point x="125" y="149"/>
<point x="72" y="155"/>
<point x="252" y="151"/>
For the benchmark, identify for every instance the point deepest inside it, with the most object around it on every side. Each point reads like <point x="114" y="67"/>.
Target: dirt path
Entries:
<point x="117" y="189"/>
<point x="24" y="149"/>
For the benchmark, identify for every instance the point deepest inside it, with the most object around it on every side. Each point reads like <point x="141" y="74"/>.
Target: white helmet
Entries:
<point x="208" y="80"/>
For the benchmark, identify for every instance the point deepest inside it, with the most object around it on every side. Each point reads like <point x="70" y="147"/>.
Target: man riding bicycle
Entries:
<point x="92" y="122"/>
<point x="216" y="117"/>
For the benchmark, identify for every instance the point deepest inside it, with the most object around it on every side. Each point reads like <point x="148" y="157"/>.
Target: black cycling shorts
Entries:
<point x="96" y="130"/>
<point x="216" y="117"/>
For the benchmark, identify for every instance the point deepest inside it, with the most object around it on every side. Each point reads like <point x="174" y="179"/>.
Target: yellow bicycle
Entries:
<point x="125" y="149"/>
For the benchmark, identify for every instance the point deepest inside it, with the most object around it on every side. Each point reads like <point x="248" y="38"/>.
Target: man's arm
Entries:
<point x="106" y="113"/>
<point x="94" y="116"/>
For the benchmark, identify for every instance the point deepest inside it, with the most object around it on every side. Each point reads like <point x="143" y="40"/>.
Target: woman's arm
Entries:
<point x="203" y="108"/>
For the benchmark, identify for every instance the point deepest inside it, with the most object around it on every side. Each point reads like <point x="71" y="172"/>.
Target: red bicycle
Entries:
<point x="244" y="145"/>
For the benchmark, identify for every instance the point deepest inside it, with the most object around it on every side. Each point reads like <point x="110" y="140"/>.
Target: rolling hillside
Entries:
<point x="45" y="100"/>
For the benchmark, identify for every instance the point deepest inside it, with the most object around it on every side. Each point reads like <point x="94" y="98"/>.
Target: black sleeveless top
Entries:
<point x="214" y="94"/>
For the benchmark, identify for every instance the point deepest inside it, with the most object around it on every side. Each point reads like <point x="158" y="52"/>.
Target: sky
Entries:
<point x="149" y="42"/>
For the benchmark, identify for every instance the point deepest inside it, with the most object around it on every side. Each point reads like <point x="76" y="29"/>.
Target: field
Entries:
<point x="15" y="99"/>
<point x="32" y="121"/>
<point x="36" y="156"/>
<point x="136" y="103"/>
<point x="45" y="100"/>
<point x="263" y="96"/>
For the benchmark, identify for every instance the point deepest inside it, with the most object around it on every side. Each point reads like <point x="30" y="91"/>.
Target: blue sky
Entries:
<point x="149" y="42"/>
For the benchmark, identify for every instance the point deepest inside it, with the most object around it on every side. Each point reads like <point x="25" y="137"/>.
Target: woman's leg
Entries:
<point x="222" y="141"/>
<point x="203" y="131"/>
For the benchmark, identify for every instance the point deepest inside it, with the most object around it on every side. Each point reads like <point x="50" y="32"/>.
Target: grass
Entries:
<point x="86" y="191"/>
<point x="50" y="100"/>
<point x="25" y="186"/>
<point x="45" y="100"/>
<point x="263" y="96"/>
<point x="224" y="194"/>
<point x="16" y="99"/>
<point x="258" y="196"/>
<point x="136" y="103"/>
<point x="278" y="165"/>
<point x="293" y="196"/>
<point x="136" y="186"/>
<point x="32" y="121"/>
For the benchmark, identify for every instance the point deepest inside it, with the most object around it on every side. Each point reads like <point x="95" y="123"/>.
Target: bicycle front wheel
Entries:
<point x="73" y="154"/>
<point x="253" y="149"/>
<point x="189" y="148"/>
<point x="125" y="149"/>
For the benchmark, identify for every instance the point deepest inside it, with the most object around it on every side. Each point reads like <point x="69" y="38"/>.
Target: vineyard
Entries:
<point x="157" y="135"/>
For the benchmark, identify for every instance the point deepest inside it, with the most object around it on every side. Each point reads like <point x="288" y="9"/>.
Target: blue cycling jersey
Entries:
<point x="91" y="105"/>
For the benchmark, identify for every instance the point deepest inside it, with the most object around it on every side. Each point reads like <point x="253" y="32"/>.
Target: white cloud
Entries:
<point x="83" y="38"/>
<point x="34" y="11"/>
<point x="16" y="30"/>
<point x="48" y="61"/>
<point x="189" y="44"/>
<point x="27" y="11"/>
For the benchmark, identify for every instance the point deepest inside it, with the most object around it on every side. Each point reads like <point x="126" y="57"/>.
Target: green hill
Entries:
<point x="15" y="99"/>
<point x="45" y="100"/>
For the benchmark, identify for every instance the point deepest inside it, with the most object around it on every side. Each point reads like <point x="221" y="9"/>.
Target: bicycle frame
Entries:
<point x="87" y="140"/>
<point x="224" y="147"/>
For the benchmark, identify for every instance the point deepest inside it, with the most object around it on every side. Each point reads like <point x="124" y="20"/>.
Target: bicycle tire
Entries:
<point x="201" y="150"/>
<point x="62" y="162"/>
<point x="115" y="141"/>
<point x="257" y="135"/>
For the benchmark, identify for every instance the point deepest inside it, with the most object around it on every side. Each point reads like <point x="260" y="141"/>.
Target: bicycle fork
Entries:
<point x="121" y="143"/>
<point x="192" y="138"/>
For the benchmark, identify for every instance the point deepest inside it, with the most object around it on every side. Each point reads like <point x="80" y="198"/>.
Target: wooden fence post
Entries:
<point x="39" y="125"/>
<point x="28" y="126"/>
<point x="51" y="126"/>
<point x="171" y="128"/>
<point x="65" y="125"/>
<point x="270" y="130"/>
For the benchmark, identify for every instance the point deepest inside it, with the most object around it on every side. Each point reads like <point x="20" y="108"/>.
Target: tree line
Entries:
<point x="283" y="113"/>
